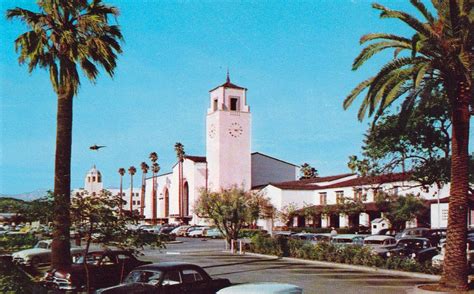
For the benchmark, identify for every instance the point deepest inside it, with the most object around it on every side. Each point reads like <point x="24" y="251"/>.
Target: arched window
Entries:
<point x="167" y="203"/>
<point x="186" y="199"/>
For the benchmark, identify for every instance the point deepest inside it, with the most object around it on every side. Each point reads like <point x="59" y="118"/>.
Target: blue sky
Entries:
<point x="294" y="57"/>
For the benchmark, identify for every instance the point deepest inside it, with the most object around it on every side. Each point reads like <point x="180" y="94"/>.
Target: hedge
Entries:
<point x="351" y="254"/>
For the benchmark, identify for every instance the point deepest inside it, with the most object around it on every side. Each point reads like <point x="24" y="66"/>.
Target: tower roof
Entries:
<point x="93" y="171"/>
<point x="228" y="84"/>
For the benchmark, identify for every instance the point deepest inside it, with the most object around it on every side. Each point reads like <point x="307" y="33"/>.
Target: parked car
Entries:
<point x="167" y="278"/>
<point x="213" y="233"/>
<point x="416" y="248"/>
<point x="106" y="268"/>
<point x="380" y="243"/>
<point x="192" y="228"/>
<point x="438" y="260"/>
<point x="40" y="254"/>
<point x="348" y="239"/>
<point x="198" y="232"/>
<point x="262" y="288"/>
<point x="322" y="237"/>
<point x="435" y="236"/>
<point x="180" y="231"/>
<point x="155" y="229"/>
<point x="412" y="232"/>
<point x="387" y="232"/>
<point x="167" y="229"/>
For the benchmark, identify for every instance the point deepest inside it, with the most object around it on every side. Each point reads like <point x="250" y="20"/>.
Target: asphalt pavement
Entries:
<point x="211" y="255"/>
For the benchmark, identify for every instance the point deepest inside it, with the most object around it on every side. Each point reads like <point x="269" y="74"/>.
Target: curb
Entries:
<point x="353" y="267"/>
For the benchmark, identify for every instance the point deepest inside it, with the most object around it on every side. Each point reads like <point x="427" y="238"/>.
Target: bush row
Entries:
<point x="11" y="243"/>
<point x="351" y="254"/>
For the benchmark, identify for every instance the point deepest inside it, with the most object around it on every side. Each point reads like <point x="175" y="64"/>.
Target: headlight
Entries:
<point x="389" y="254"/>
<point x="413" y="255"/>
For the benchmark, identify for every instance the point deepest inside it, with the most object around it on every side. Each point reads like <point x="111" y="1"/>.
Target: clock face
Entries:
<point x="212" y="131"/>
<point x="235" y="130"/>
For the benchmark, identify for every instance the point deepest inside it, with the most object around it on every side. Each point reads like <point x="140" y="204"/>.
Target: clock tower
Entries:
<point x="228" y="138"/>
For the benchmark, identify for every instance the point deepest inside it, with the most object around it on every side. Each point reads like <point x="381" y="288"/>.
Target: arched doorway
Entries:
<point x="185" y="199"/>
<point x="167" y="202"/>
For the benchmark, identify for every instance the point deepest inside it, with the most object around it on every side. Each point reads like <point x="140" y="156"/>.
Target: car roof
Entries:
<point x="168" y="265"/>
<point x="379" y="237"/>
<point x="262" y="288"/>
<point x="348" y="236"/>
<point x="414" y="238"/>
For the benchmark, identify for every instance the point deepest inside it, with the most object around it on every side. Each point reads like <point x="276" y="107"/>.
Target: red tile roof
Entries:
<point x="382" y="179"/>
<point x="308" y="184"/>
<point x="228" y="84"/>
<point x="196" y="158"/>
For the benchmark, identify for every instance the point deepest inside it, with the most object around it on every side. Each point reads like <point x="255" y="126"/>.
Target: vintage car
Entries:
<point x="438" y="260"/>
<point x="106" y="268"/>
<point x="168" y="278"/>
<point x="40" y="254"/>
<point x="419" y="249"/>
<point x="262" y="288"/>
<point x="213" y="233"/>
<point x="348" y="239"/>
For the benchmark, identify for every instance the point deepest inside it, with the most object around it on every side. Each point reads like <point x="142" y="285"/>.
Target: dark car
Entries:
<point x="420" y="249"/>
<point x="168" y="278"/>
<point x="166" y="229"/>
<point x="106" y="268"/>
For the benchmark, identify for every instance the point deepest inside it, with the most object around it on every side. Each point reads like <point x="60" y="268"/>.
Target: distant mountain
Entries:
<point x="29" y="196"/>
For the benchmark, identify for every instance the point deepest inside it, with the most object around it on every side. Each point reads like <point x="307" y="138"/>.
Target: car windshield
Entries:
<point x="144" y="276"/>
<point x="342" y="240"/>
<point x="43" y="245"/>
<point x="373" y="242"/>
<point x="93" y="258"/>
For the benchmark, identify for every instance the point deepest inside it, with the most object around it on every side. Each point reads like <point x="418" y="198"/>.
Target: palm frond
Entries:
<point x="355" y="92"/>
<point x="375" y="36"/>
<point x="422" y="8"/>
<point x="406" y="18"/>
<point x="373" y="49"/>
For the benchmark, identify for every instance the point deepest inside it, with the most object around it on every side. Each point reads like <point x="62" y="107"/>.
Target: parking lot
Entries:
<point x="246" y="268"/>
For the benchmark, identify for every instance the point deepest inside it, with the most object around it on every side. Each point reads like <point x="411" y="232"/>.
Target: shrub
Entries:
<point x="351" y="254"/>
<point x="11" y="243"/>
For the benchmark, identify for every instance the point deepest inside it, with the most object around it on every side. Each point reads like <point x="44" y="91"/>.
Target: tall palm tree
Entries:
<point x="121" y="171"/>
<point x="155" y="169"/>
<point x="439" y="55"/>
<point x="61" y="37"/>
<point x="153" y="157"/>
<point x="179" y="149"/>
<point x="144" y="168"/>
<point x="132" y="171"/>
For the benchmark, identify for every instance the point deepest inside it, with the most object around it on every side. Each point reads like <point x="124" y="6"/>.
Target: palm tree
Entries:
<point x="63" y="36"/>
<point x="155" y="168"/>
<point x="131" y="170"/>
<point x="153" y="157"/>
<point x="179" y="149"/>
<point x="144" y="168"/>
<point x="121" y="171"/>
<point x="440" y="56"/>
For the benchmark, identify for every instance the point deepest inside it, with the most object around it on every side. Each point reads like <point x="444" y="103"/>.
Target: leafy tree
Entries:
<point x="63" y="36"/>
<point x="308" y="172"/>
<point x="287" y="213"/>
<point x="41" y="209"/>
<point x="350" y="206"/>
<point x="400" y="209"/>
<point x="439" y="55"/>
<point x="99" y="217"/>
<point x="231" y="209"/>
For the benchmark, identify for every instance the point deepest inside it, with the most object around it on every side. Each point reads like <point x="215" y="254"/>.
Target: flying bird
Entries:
<point x="96" y="148"/>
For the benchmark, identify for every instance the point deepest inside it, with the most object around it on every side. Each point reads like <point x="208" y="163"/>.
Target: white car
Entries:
<point x="198" y="232"/>
<point x="39" y="254"/>
<point x="262" y="288"/>
<point x="438" y="260"/>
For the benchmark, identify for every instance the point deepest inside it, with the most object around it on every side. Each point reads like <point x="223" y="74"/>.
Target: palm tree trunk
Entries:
<point x="455" y="273"/>
<point x="142" y="199"/>
<point x="131" y="193"/>
<point x="61" y="254"/>
<point x="121" y="192"/>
